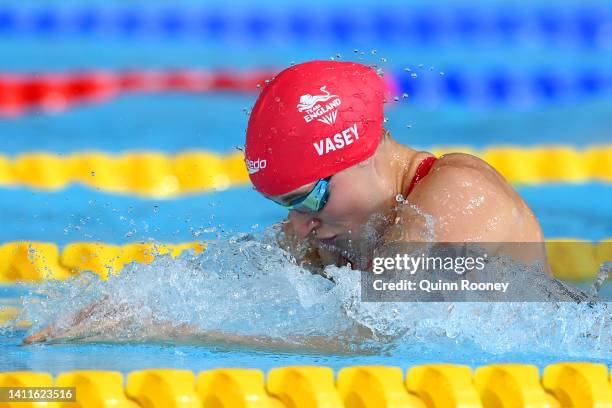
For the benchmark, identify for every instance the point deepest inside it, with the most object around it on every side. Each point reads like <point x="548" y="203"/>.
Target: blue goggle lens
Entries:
<point x="313" y="201"/>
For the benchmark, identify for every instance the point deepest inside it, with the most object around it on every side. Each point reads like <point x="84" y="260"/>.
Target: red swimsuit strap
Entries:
<point x="422" y="170"/>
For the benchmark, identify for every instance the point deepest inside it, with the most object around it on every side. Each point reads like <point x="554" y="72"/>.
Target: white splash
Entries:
<point x="248" y="286"/>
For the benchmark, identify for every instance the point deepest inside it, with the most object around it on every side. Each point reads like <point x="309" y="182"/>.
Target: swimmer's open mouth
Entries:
<point x="327" y="241"/>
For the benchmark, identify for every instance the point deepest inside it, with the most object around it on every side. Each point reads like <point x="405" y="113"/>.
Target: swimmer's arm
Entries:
<point x="101" y="322"/>
<point x="342" y="343"/>
<point x="96" y="318"/>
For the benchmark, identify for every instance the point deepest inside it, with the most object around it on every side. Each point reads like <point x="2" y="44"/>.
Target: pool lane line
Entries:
<point x="577" y="27"/>
<point x="159" y="175"/>
<point x="55" y="92"/>
<point x="563" y="384"/>
<point x="33" y="261"/>
<point x="44" y="92"/>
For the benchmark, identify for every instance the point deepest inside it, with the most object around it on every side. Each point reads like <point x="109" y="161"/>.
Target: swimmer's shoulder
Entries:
<point x="469" y="200"/>
<point x="463" y="164"/>
<point x="463" y="170"/>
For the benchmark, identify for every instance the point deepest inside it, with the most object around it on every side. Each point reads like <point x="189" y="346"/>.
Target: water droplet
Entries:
<point x="409" y="126"/>
<point x="414" y="75"/>
<point x="374" y="52"/>
<point x="407" y="69"/>
<point x="420" y="65"/>
<point x="383" y="59"/>
<point x="277" y="99"/>
<point x="396" y="98"/>
<point x="93" y="173"/>
<point x="431" y="68"/>
<point x="385" y="120"/>
<point x="338" y="55"/>
<point x="399" y="198"/>
<point x="355" y="50"/>
<point x="405" y="95"/>
<point x="441" y="73"/>
<point x="240" y="148"/>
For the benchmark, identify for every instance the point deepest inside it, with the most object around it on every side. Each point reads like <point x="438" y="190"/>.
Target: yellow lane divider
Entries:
<point x="10" y="314"/>
<point x="426" y="381"/>
<point x="545" y="164"/>
<point x="154" y="174"/>
<point x="150" y="174"/>
<point x="432" y="386"/>
<point x="512" y="382"/>
<point x="26" y="261"/>
<point x="35" y="261"/>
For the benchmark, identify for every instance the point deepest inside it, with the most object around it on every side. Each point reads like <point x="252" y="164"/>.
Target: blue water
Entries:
<point x="248" y="288"/>
<point x="80" y="214"/>
<point x="125" y="358"/>
<point x="174" y="123"/>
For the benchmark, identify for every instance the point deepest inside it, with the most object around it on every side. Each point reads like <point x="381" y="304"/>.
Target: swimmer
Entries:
<point x="317" y="146"/>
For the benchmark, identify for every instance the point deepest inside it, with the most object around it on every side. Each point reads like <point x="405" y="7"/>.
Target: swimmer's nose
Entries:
<point x="303" y="223"/>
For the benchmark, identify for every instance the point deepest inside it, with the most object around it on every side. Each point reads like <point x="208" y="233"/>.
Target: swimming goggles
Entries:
<point x="313" y="201"/>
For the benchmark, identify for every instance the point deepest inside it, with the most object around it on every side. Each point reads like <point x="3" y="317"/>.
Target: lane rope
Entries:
<point x="566" y="384"/>
<point x="583" y="26"/>
<point x="562" y="384"/>
<point x="31" y="261"/>
<point x="158" y="175"/>
<point x="56" y="92"/>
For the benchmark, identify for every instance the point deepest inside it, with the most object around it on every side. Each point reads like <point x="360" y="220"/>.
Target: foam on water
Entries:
<point x="248" y="286"/>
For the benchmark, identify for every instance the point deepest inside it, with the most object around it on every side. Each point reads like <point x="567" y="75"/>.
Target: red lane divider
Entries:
<point x="56" y="92"/>
<point x="20" y="93"/>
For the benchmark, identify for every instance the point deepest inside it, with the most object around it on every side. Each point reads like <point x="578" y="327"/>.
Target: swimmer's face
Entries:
<point x="355" y="195"/>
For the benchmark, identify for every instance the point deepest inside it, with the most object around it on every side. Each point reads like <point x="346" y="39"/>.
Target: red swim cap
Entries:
<point x="312" y="121"/>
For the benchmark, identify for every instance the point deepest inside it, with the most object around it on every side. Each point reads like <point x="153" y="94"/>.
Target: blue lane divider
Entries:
<point x="502" y="87"/>
<point x="580" y="25"/>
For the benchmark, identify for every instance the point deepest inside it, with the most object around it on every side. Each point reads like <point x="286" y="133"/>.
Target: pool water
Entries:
<point x="283" y="301"/>
<point x="251" y="289"/>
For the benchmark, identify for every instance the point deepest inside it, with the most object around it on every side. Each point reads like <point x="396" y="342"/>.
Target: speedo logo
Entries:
<point x="317" y="107"/>
<point x="254" y="166"/>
